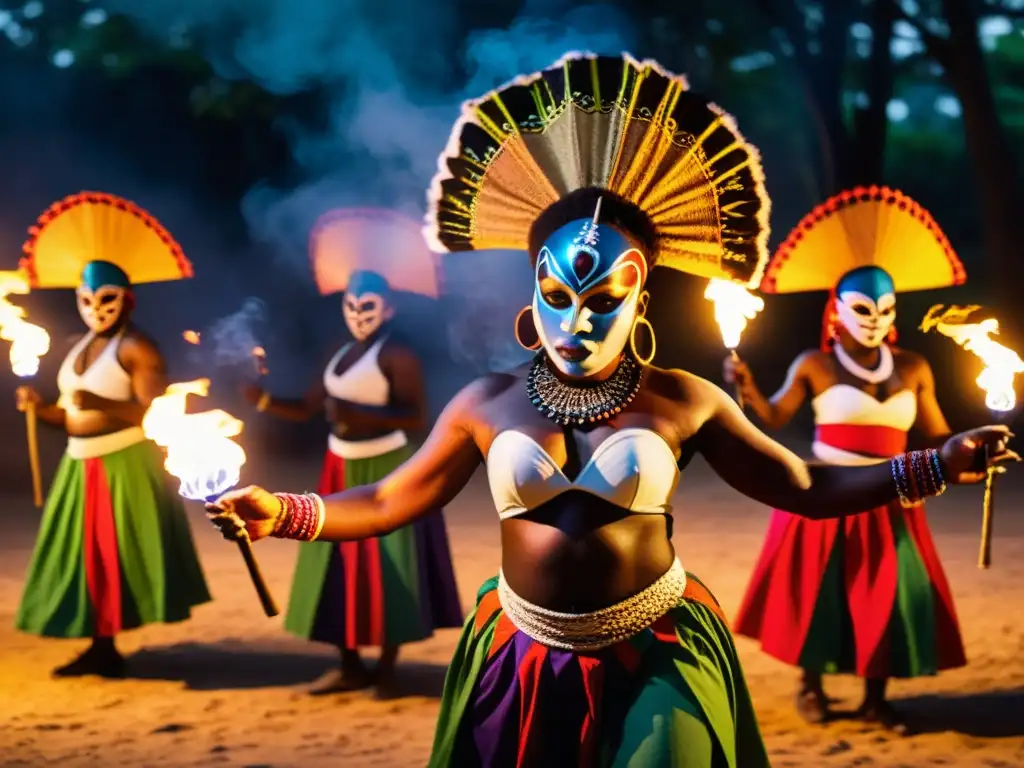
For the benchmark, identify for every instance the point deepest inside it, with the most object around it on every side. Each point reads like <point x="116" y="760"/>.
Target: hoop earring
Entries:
<point x="525" y="319"/>
<point x="641" y="320"/>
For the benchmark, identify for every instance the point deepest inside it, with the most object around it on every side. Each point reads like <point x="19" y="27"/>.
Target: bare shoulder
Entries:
<point x="139" y="348"/>
<point x="912" y="366"/>
<point x="812" y="361"/>
<point x="395" y="351"/>
<point x="685" y="389"/>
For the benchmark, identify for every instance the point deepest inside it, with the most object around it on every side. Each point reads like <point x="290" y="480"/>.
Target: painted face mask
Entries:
<point x="366" y="305"/>
<point x="104" y="295"/>
<point x="866" y="304"/>
<point x="589" y="278"/>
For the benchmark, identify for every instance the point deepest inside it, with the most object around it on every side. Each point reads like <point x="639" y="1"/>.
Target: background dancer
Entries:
<point x="867" y="594"/>
<point x="593" y="646"/>
<point x="398" y="588"/>
<point x="114" y="549"/>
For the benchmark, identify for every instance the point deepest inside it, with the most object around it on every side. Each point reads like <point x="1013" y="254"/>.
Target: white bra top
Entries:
<point x="846" y="404"/>
<point x="363" y="382"/>
<point x="104" y="377"/>
<point x="633" y="469"/>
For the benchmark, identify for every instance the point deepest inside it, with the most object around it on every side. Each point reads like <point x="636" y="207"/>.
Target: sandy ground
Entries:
<point x="225" y="687"/>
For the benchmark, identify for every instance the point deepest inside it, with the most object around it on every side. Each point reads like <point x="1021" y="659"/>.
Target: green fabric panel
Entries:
<point x="307" y="586"/>
<point x="161" y="579"/>
<point x="464" y="670"/>
<point x="55" y="601"/>
<point x="913" y="638"/>
<point x="399" y="561"/>
<point x="829" y="646"/>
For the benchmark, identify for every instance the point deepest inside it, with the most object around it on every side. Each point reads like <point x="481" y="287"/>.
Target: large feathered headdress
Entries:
<point x="94" y="226"/>
<point x="349" y="240"/>
<point x="865" y="226"/>
<point x="611" y="123"/>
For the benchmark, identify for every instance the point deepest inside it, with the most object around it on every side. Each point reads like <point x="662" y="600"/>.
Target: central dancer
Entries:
<point x="593" y="646"/>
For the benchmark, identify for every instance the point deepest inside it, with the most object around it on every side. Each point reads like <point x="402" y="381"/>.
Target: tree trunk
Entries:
<point x="871" y="123"/>
<point x="995" y="164"/>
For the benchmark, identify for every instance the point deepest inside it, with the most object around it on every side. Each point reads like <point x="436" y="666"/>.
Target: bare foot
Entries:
<point x="102" y="661"/>
<point x="812" y="706"/>
<point x="340" y="680"/>
<point x="882" y="713"/>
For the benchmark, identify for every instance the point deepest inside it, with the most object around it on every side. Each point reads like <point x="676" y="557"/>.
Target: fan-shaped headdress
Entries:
<point x="390" y="244"/>
<point x="609" y="123"/>
<point x="97" y="227"/>
<point x="866" y="226"/>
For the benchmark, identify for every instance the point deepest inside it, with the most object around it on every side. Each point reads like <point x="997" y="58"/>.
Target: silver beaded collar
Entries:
<point x="582" y="403"/>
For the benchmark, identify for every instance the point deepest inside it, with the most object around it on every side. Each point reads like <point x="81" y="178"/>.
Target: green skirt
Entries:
<point x="389" y="590"/>
<point x="672" y="696"/>
<point x="114" y="550"/>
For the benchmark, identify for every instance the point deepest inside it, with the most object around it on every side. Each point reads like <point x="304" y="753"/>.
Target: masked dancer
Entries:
<point x="867" y="594"/>
<point x="398" y="588"/>
<point x="114" y="550"/>
<point x="593" y="646"/>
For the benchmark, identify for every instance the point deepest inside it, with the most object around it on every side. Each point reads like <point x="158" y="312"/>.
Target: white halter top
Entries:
<point x="104" y="377"/>
<point x="634" y="469"/>
<point x="855" y="428"/>
<point x="363" y="382"/>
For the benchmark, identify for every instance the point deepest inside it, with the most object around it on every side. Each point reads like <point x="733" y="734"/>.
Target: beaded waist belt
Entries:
<point x="599" y="629"/>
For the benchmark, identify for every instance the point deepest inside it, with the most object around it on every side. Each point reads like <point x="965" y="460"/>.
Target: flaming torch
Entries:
<point x="202" y="455"/>
<point x="28" y="343"/>
<point x="996" y="379"/>
<point x="735" y="306"/>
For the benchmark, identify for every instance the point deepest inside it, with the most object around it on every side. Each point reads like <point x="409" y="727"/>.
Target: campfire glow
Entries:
<point x="200" y="451"/>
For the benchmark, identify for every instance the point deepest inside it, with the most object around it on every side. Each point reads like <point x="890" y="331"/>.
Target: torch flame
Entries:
<point x="734" y="307"/>
<point x="200" y="451"/>
<point x="259" y="356"/>
<point x="1001" y="363"/>
<point x="28" y="342"/>
<point x="192" y="337"/>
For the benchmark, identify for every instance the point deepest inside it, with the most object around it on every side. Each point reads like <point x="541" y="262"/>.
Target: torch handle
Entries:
<point x="262" y="590"/>
<point x="736" y="390"/>
<point x="985" y="549"/>
<point x="33" y="454"/>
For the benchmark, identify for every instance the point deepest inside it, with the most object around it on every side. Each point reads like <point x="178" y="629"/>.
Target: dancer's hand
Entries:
<point x="736" y="372"/>
<point x="26" y="397"/>
<point x="967" y="456"/>
<point x="252" y="509"/>
<point x="87" y="401"/>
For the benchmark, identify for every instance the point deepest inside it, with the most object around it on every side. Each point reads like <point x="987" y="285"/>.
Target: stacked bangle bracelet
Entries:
<point x="301" y="516"/>
<point x="917" y="475"/>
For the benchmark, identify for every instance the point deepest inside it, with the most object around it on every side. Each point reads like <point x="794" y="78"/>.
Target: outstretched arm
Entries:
<point x="760" y="468"/>
<point x="428" y="480"/>
<point x="407" y="409"/>
<point x="299" y="409"/>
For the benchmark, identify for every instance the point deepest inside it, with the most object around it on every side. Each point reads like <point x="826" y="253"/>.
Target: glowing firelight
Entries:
<point x="735" y="306"/>
<point x="1001" y="363"/>
<point x="28" y="342"/>
<point x="259" y="356"/>
<point x="200" y="451"/>
<point x="192" y="337"/>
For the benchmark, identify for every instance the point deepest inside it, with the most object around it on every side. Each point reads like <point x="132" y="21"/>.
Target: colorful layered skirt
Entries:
<point x="864" y="594"/>
<point x="383" y="591"/>
<point x="114" y="550"/>
<point x="671" y="696"/>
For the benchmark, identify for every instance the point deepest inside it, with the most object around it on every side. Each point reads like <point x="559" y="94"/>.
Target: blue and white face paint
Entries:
<point x="866" y="304"/>
<point x="103" y="295"/>
<point x="367" y="304"/>
<point x="589" y="278"/>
